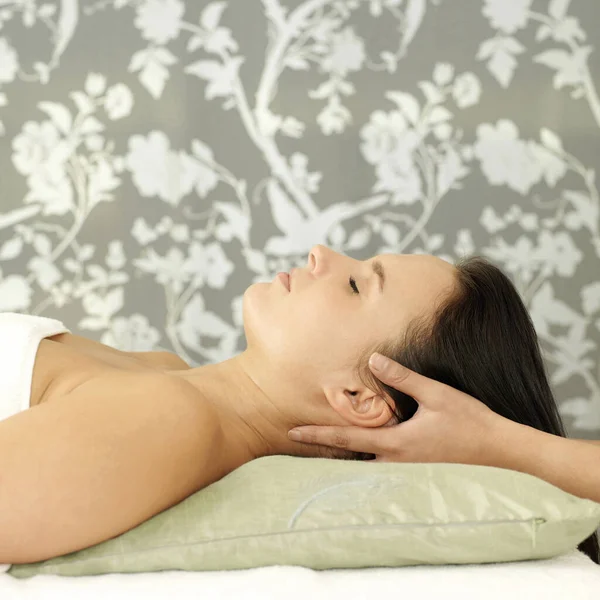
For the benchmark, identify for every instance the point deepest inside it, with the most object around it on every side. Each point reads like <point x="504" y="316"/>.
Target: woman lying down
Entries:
<point x="101" y="439"/>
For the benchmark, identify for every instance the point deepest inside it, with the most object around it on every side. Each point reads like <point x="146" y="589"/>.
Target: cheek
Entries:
<point x="320" y="314"/>
<point x="310" y="327"/>
<point x="328" y="328"/>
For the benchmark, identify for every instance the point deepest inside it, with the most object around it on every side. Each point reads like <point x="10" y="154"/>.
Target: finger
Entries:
<point x="405" y="380"/>
<point x="316" y="451"/>
<point x="357" y="439"/>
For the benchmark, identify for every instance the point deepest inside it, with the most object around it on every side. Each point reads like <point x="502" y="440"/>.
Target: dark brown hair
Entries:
<point x="482" y="341"/>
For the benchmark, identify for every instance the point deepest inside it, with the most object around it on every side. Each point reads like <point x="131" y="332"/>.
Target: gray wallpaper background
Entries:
<point x="159" y="156"/>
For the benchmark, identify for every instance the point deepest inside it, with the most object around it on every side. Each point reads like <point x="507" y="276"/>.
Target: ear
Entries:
<point x="360" y="406"/>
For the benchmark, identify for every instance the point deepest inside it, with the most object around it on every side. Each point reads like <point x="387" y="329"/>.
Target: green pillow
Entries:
<point x="325" y="513"/>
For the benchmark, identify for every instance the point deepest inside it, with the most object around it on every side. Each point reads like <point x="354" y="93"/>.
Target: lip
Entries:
<point x="285" y="280"/>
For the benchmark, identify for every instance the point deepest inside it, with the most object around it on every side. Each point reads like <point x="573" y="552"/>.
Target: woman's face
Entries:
<point x="336" y="308"/>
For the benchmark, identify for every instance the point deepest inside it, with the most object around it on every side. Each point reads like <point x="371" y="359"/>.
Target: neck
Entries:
<point x="256" y="410"/>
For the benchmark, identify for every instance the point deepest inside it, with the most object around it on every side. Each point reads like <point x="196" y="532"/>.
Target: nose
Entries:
<point x="318" y="258"/>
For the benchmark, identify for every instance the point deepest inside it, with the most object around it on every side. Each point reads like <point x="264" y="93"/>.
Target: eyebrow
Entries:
<point x="378" y="270"/>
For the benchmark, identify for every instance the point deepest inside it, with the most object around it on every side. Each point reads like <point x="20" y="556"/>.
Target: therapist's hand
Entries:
<point x="449" y="426"/>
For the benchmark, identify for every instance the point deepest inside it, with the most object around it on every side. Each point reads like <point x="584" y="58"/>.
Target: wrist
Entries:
<point x="512" y="445"/>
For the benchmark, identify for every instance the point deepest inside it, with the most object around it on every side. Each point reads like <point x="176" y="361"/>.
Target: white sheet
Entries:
<point x="571" y="576"/>
<point x="20" y="336"/>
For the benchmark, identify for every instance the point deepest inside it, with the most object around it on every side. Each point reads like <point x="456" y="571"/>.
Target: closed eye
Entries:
<point x="352" y="282"/>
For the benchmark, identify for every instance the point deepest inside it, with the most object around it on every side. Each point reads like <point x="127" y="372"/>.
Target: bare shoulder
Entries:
<point x="161" y="403"/>
<point x="116" y="450"/>
<point x="156" y="358"/>
<point x="152" y="392"/>
<point x="161" y="358"/>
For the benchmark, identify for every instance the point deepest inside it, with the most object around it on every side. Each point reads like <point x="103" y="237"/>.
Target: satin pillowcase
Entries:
<point x="325" y="514"/>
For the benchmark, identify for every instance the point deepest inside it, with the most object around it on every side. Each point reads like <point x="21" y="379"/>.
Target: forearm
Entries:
<point x="572" y="465"/>
<point x="595" y="442"/>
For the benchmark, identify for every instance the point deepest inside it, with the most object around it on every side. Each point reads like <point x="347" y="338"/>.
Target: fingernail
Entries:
<point x="294" y="435"/>
<point x="378" y="361"/>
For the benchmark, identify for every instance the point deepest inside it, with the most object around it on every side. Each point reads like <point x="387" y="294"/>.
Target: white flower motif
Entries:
<point x="443" y="73"/>
<point x="491" y="221"/>
<point x="8" y="62"/>
<point x="159" y="20"/>
<point x="334" y="117"/>
<point x="29" y="12"/>
<point x="466" y="90"/>
<point x="382" y="135"/>
<point x="552" y="167"/>
<point x="203" y="167"/>
<point x="507" y="16"/>
<point x="590" y="297"/>
<point x="95" y="84"/>
<point x="376" y="6"/>
<point x="347" y="53"/>
<point x="402" y="180"/>
<point x="131" y="334"/>
<point x="15" y="293"/>
<point x="546" y="310"/>
<point x="157" y="170"/>
<point x="168" y="270"/>
<point x="142" y="233"/>
<point x="115" y="255"/>
<point x="450" y="169"/>
<point x="505" y="159"/>
<point x="119" y="101"/>
<point x="518" y="259"/>
<point x="292" y="127"/>
<point x="34" y="145"/>
<point x="51" y="186"/>
<point x="101" y="182"/>
<point x="529" y="221"/>
<point x="307" y="181"/>
<point x="389" y="144"/>
<point x="465" y="245"/>
<point x="208" y="265"/>
<point x="559" y="252"/>
<point x="46" y="273"/>
<point x="584" y="411"/>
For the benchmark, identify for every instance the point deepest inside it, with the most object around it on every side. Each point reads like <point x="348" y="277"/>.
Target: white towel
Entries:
<point x="20" y="336"/>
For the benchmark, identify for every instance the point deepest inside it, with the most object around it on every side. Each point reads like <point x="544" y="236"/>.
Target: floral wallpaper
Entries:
<point x="159" y="156"/>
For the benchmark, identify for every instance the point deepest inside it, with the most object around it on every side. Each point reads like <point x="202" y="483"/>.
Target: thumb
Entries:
<point x="353" y="438"/>
<point x="403" y="379"/>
